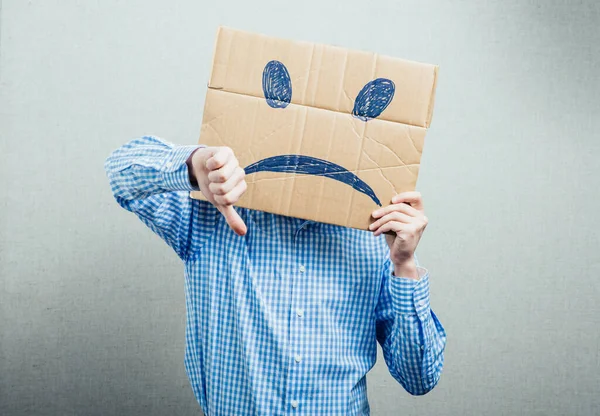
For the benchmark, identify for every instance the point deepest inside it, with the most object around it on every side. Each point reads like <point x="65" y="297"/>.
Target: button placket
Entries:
<point x="298" y="280"/>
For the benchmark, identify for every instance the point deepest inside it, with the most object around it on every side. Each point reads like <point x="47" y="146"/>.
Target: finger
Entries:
<point x="392" y="216"/>
<point x="219" y="158"/>
<point x="232" y="196"/>
<point x="223" y="173"/>
<point x="400" y="207"/>
<point x="224" y="188"/>
<point x="393" y="226"/>
<point x="413" y="198"/>
<point x="235" y="222"/>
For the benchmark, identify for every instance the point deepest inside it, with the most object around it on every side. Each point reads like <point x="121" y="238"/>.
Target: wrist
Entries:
<point x="190" y="166"/>
<point x="407" y="268"/>
<point x="192" y="161"/>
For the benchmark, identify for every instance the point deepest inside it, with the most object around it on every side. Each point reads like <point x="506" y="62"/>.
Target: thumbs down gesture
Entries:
<point x="218" y="174"/>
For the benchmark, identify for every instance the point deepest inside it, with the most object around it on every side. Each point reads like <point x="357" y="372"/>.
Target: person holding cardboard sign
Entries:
<point x="284" y="313"/>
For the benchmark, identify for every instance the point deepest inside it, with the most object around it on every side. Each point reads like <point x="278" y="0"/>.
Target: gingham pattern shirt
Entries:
<point x="284" y="320"/>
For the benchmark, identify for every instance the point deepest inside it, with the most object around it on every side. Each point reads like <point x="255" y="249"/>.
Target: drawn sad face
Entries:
<point x="370" y="102"/>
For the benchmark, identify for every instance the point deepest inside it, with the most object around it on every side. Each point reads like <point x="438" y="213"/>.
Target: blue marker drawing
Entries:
<point x="370" y="102"/>
<point x="312" y="166"/>
<point x="374" y="97"/>
<point x="277" y="85"/>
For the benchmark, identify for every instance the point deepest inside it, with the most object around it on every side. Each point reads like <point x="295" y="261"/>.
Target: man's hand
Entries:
<point x="403" y="222"/>
<point x="217" y="172"/>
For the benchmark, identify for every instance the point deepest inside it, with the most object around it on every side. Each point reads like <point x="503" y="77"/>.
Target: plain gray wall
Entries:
<point x="92" y="303"/>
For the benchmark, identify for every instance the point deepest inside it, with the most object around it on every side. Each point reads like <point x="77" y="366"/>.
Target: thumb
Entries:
<point x="233" y="219"/>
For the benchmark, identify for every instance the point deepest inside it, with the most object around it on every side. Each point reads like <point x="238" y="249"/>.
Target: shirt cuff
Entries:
<point x="411" y="296"/>
<point x="174" y="170"/>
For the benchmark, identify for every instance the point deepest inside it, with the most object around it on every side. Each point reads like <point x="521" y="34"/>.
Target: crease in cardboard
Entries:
<point x="385" y="147"/>
<point x="432" y="98"/>
<point x="249" y="149"/>
<point x="322" y="181"/>
<point x="351" y="118"/>
<point x="217" y="133"/>
<point x="292" y="150"/>
<point x="343" y="81"/>
<point x="413" y="142"/>
<point x="292" y="104"/>
<point x="408" y="167"/>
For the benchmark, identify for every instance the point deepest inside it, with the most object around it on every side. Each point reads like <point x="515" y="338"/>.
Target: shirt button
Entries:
<point x="294" y="404"/>
<point x="300" y="312"/>
<point x="302" y="269"/>
<point x="169" y="164"/>
<point x="298" y="358"/>
<point x="422" y="303"/>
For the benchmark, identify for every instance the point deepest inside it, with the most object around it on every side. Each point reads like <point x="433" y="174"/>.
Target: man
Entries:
<point x="283" y="314"/>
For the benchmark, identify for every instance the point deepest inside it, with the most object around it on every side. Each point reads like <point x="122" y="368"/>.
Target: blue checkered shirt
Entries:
<point x="284" y="320"/>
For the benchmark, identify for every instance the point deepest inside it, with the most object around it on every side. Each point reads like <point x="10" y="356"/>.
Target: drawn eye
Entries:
<point x="374" y="97"/>
<point x="277" y="85"/>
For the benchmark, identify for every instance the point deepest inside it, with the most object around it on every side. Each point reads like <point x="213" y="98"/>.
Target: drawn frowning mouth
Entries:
<point x="370" y="102"/>
<point x="309" y="165"/>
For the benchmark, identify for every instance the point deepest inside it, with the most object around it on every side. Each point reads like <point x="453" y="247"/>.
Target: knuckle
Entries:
<point x="220" y="176"/>
<point x="216" y="188"/>
<point x="222" y="199"/>
<point x="228" y="199"/>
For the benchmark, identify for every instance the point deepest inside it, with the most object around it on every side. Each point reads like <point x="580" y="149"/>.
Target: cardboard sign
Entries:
<point x="324" y="133"/>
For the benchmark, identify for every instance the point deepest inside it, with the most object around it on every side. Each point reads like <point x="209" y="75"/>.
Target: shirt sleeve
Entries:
<point x="411" y="336"/>
<point x="149" y="177"/>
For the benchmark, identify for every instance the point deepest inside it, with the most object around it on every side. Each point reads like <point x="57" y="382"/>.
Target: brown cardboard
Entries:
<point x="384" y="152"/>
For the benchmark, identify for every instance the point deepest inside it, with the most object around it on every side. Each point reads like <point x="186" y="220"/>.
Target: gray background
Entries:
<point x="92" y="303"/>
